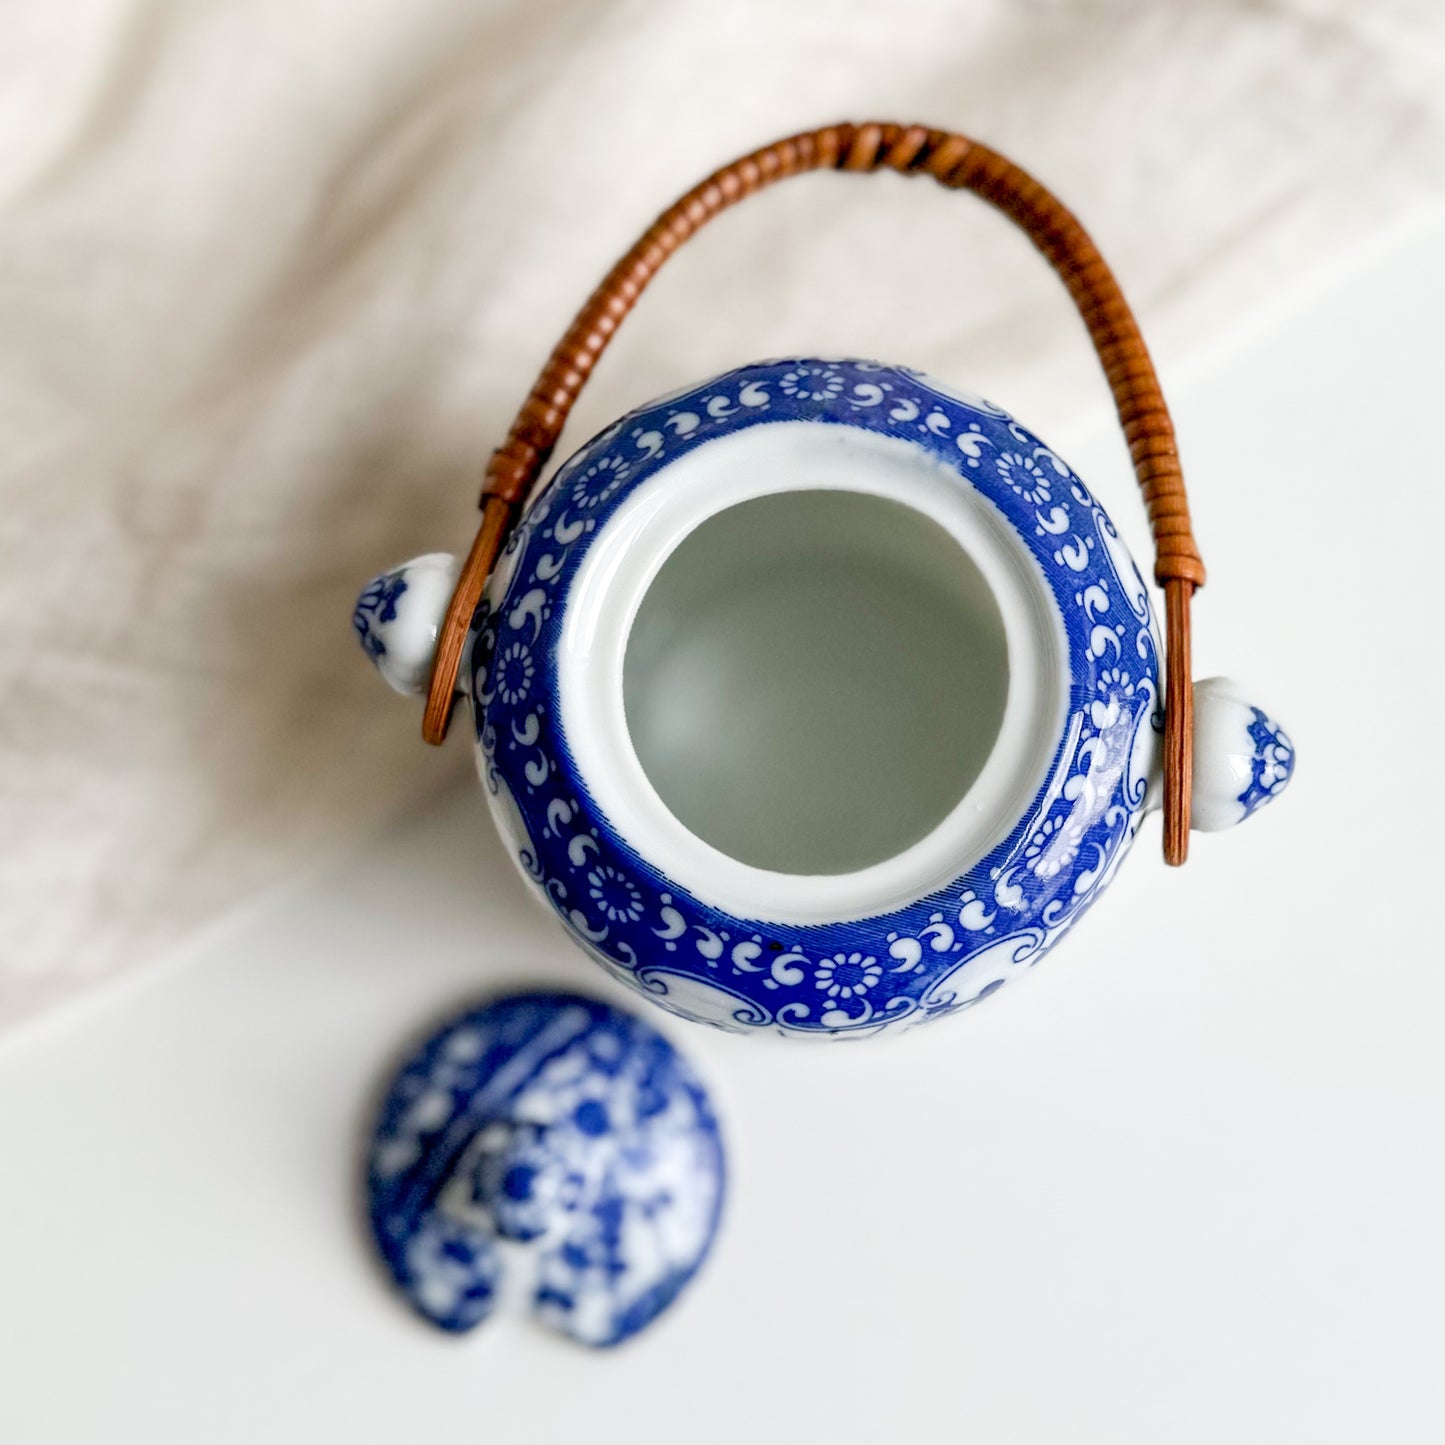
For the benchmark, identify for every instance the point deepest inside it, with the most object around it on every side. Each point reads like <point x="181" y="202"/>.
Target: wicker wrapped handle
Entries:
<point x="960" y="164"/>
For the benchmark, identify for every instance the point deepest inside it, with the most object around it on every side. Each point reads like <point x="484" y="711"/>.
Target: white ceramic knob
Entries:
<point x="1242" y="757"/>
<point x="399" y="616"/>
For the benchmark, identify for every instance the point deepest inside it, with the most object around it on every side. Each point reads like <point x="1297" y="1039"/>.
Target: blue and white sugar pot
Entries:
<point x="822" y="697"/>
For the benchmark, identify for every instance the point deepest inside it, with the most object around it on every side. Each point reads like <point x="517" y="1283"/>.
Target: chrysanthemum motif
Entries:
<point x="812" y="383"/>
<point x="615" y="894"/>
<point x="1115" y="682"/>
<point x="600" y="481"/>
<point x="1042" y="856"/>
<point x="1275" y="763"/>
<point x="1025" y="476"/>
<point x="513" y="673"/>
<point x="847" y="975"/>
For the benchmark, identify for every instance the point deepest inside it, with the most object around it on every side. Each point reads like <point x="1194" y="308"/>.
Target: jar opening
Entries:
<point x="862" y="644"/>
<point x="814" y="679"/>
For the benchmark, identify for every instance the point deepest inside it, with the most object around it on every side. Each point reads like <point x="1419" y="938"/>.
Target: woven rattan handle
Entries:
<point x="961" y="164"/>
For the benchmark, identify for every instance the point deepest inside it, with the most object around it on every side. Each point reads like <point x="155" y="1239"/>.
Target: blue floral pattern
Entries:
<point x="939" y="954"/>
<point x="377" y="604"/>
<point x="555" y="1122"/>
<point x="1272" y="764"/>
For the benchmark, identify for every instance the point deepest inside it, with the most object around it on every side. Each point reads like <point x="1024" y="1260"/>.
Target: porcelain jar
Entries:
<point x="820" y="698"/>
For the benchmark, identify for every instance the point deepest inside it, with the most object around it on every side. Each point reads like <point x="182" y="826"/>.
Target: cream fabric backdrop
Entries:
<point x="273" y="275"/>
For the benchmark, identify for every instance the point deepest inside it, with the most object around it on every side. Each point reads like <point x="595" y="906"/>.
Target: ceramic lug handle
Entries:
<point x="1242" y="757"/>
<point x="398" y="618"/>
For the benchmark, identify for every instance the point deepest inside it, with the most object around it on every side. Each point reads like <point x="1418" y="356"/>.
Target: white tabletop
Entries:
<point x="1186" y="1185"/>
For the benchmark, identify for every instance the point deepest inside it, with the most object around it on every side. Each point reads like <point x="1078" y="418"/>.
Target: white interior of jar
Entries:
<point x="814" y="679"/>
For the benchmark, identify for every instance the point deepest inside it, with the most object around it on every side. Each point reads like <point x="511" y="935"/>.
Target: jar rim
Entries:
<point x="625" y="557"/>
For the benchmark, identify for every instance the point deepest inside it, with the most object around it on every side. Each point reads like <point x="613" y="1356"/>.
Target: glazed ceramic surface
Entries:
<point x="964" y="909"/>
<point x="552" y="1150"/>
<point x="397" y="616"/>
<point x="819" y="698"/>
<point x="1243" y="758"/>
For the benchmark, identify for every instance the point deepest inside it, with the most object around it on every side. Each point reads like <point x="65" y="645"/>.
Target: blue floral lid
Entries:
<point x="552" y="1137"/>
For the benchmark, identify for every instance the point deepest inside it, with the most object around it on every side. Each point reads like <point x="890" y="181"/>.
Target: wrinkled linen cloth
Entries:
<point x="274" y="276"/>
